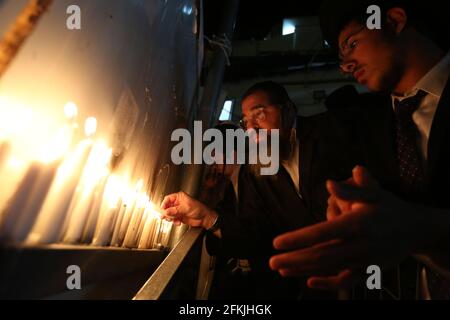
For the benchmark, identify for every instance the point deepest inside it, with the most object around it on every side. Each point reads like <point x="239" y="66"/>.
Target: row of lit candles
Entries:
<point x="69" y="195"/>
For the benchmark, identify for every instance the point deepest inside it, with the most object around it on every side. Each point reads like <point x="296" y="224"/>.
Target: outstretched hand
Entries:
<point x="366" y="225"/>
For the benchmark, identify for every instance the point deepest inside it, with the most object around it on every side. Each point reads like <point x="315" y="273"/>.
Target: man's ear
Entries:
<point x="288" y="118"/>
<point x="397" y="19"/>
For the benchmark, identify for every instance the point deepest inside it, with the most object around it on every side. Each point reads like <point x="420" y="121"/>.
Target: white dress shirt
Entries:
<point x="292" y="164"/>
<point x="433" y="83"/>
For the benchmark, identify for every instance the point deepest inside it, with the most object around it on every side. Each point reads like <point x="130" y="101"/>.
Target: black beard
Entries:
<point x="285" y="153"/>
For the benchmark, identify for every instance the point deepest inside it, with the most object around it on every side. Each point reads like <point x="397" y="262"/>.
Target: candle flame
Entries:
<point x="71" y="110"/>
<point x="142" y="200"/>
<point x="153" y="211"/>
<point x="90" y="126"/>
<point x="15" y="163"/>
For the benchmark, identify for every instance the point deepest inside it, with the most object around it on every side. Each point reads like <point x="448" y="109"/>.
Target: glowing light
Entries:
<point x="15" y="118"/>
<point x="96" y="167"/>
<point x="57" y="148"/>
<point x="128" y="197"/>
<point x="90" y="126"/>
<point x="113" y="191"/>
<point x="142" y="201"/>
<point x="187" y="10"/>
<point x="153" y="211"/>
<point x="227" y="111"/>
<point x="288" y="27"/>
<point x="15" y="163"/>
<point x="71" y="110"/>
<point x="139" y="185"/>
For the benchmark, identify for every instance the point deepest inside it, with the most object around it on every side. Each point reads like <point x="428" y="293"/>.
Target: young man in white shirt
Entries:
<point x="397" y="205"/>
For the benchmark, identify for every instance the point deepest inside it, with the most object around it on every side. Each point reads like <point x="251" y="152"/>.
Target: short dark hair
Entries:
<point x="336" y="15"/>
<point x="278" y="96"/>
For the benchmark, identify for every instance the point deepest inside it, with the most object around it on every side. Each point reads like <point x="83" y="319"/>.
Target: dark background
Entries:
<point x="256" y="18"/>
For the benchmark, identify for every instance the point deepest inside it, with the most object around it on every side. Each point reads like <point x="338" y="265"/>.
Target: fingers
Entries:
<point x="348" y="192"/>
<point x="363" y="178"/>
<point x="315" y="234"/>
<point x="169" y="201"/>
<point x="325" y="259"/>
<point x="361" y="187"/>
<point x="171" y="212"/>
<point x="337" y="207"/>
<point x="333" y="210"/>
<point x="346" y="279"/>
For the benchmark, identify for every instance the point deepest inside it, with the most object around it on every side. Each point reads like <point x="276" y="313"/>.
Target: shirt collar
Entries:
<point x="433" y="82"/>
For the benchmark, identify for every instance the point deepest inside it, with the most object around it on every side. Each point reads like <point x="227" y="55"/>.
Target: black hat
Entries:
<point x="335" y="15"/>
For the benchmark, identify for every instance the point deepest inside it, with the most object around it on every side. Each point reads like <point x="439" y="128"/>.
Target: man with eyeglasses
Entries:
<point x="395" y="205"/>
<point x="270" y="205"/>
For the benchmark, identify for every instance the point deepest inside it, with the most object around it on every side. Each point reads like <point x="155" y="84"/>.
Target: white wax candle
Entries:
<point x="111" y="205"/>
<point x="166" y="233"/>
<point x="5" y="152"/>
<point x="157" y="237"/>
<point x="148" y="233"/>
<point x="141" y="229"/>
<point x="91" y="224"/>
<point x="125" y="223"/>
<point x="11" y="175"/>
<point x="48" y="227"/>
<point x="23" y="208"/>
<point x="130" y="240"/>
<point x="117" y="224"/>
<point x="105" y="227"/>
<point x="131" y="200"/>
<point x="92" y="176"/>
<point x="78" y="217"/>
<point x="131" y="235"/>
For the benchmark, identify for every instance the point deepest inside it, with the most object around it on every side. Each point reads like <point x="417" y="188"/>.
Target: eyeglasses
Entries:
<point x="256" y="116"/>
<point x="349" y="46"/>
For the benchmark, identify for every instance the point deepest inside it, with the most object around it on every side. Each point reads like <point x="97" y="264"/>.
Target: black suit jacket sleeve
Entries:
<point x="246" y="228"/>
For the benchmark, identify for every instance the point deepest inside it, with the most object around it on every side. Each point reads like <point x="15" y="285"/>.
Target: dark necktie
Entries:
<point x="411" y="175"/>
<point x="408" y="154"/>
<point x="413" y="178"/>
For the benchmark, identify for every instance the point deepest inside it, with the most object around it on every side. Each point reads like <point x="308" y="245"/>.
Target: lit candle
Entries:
<point x="166" y="233"/>
<point x="49" y="225"/>
<point x="5" y="153"/>
<point x="93" y="216"/>
<point x="92" y="176"/>
<point x="141" y="228"/>
<point x="22" y="209"/>
<point x="130" y="240"/>
<point x="109" y="212"/>
<point x="105" y="226"/>
<point x="158" y="234"/>
<point x="128" y="213"/>
<point x="5" y="156"/>
<point x="149" y="231"/>
<point x="126" y="202"/>
<point x="15" y="120"/>
<point x="11" y="175"/>
<point x="71" y="112"/>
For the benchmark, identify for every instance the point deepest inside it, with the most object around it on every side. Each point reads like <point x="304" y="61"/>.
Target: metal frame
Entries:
<point x="159" y="281"/>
